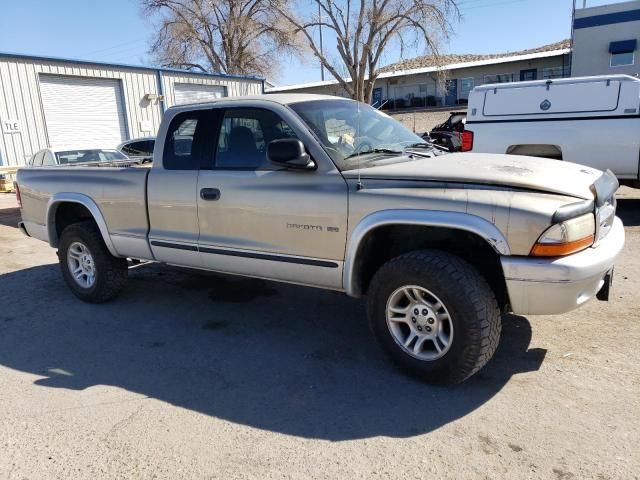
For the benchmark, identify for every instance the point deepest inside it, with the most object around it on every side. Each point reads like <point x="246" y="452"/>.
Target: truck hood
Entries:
<point x="533" y="173"/>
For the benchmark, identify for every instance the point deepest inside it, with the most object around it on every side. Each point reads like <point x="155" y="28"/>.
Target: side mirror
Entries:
<point x="289" y="153"/>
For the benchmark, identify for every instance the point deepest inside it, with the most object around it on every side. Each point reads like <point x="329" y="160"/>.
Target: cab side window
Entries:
<point x="244" y="136"/>
<point x="186" y="142"/>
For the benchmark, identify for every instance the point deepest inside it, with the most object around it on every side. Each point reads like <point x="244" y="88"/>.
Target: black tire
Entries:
<point x="110" y="272"/>
<point x="473" y="312"/>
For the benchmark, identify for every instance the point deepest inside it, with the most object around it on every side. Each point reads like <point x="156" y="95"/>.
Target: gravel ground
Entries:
<point x="201" y="376"/>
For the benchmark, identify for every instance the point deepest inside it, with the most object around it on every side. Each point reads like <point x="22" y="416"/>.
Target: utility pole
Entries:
<point x="321" y="49"/>
<point x="573" y="19"/>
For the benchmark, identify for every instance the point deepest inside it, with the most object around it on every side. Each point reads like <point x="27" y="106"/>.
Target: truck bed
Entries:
<point x="118" y="192"/>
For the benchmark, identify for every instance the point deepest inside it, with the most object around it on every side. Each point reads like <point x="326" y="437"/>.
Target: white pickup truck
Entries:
<point x="333" y="194"/>
<point x="593" y="121"/>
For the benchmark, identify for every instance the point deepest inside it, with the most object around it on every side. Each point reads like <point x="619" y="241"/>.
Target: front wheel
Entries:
<point x="435" y="315"/>
<point x="88" y="268"/>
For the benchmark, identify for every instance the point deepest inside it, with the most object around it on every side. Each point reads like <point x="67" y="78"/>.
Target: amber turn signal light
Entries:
<point x="561" y="249"/>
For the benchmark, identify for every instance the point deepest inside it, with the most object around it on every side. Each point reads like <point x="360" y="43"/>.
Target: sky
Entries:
<point x="116" y="31"/>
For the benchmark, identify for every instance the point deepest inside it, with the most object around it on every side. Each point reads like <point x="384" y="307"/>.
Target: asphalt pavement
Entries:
<point x="195" y="375"/>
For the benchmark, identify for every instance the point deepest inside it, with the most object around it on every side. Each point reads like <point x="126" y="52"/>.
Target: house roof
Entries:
<point x="426" y="63"/>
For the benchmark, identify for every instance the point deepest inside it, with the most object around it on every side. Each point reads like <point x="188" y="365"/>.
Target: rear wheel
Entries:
<point x="88" y="268"/>
<point x="435" y="315"/>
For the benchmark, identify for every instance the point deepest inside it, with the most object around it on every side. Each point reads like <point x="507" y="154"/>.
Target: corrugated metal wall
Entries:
<point x="236" y="87"/>
<point x="20" y="97"/>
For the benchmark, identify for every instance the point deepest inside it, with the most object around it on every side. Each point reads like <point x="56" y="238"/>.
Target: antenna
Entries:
<point x="359" y="185"/>
<point x="573" y="19"/>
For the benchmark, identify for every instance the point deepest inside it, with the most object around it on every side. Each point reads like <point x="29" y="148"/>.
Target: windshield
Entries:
<point x="87" y="156"/>
<point x="354" y="134"/>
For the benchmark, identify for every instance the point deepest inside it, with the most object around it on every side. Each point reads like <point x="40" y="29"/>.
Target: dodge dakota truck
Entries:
<point x="333" y="194"/>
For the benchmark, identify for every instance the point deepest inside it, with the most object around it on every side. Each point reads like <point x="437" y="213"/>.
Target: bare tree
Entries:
<point x="229" y="36"/>
<point x="365" y="29"/>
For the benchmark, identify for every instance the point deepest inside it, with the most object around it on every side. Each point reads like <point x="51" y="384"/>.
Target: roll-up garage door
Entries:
<point x="192" y="93"/>
<point x="83" y="112"/>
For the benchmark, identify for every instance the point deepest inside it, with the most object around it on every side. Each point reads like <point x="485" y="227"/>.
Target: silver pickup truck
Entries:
<point x="333" y="194"/>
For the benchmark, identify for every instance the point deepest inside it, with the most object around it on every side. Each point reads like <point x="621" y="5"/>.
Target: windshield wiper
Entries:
<point x="425" y="145"/>
<point x="374" y="150"/>
<point x="420" y="145"/>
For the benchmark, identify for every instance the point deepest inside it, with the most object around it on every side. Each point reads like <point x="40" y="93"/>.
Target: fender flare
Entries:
<point x="89" y="204"/>
<point x="427" y="218"/>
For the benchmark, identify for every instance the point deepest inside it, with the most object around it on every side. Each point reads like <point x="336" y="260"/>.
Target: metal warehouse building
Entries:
<point x="70" y="103"/>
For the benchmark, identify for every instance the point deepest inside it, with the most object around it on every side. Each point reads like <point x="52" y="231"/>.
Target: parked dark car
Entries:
<point x="450" y="133"/>
<point x="139" y="148"/>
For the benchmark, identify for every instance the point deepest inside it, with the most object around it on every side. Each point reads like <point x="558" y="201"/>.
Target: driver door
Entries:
<point x="256" y="219"/>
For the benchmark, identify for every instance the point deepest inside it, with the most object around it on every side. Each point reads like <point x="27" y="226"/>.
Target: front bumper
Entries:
<point x="546" y="286"/>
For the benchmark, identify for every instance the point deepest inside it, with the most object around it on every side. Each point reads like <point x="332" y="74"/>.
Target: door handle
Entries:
<point x="210" y="194"/>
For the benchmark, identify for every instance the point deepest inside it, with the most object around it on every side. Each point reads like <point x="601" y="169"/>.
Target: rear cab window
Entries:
<point x="188" y="140"/>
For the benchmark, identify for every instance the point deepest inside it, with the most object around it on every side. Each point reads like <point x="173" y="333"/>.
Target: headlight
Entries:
<point x="566" y="237"/>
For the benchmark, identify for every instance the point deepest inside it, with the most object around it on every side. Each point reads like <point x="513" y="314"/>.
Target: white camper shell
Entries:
<point x="594" y="121"/>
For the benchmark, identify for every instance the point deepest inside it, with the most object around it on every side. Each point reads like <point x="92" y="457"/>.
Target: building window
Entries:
<point x="555" y="72"/>
<point x="622" y="59"/>
<point x="500" y="78"/>
<point x="622" y="53"/>
<point x="416" y="95"/>
<point x="466" y="85"/>
<point x="528" y="75"/>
